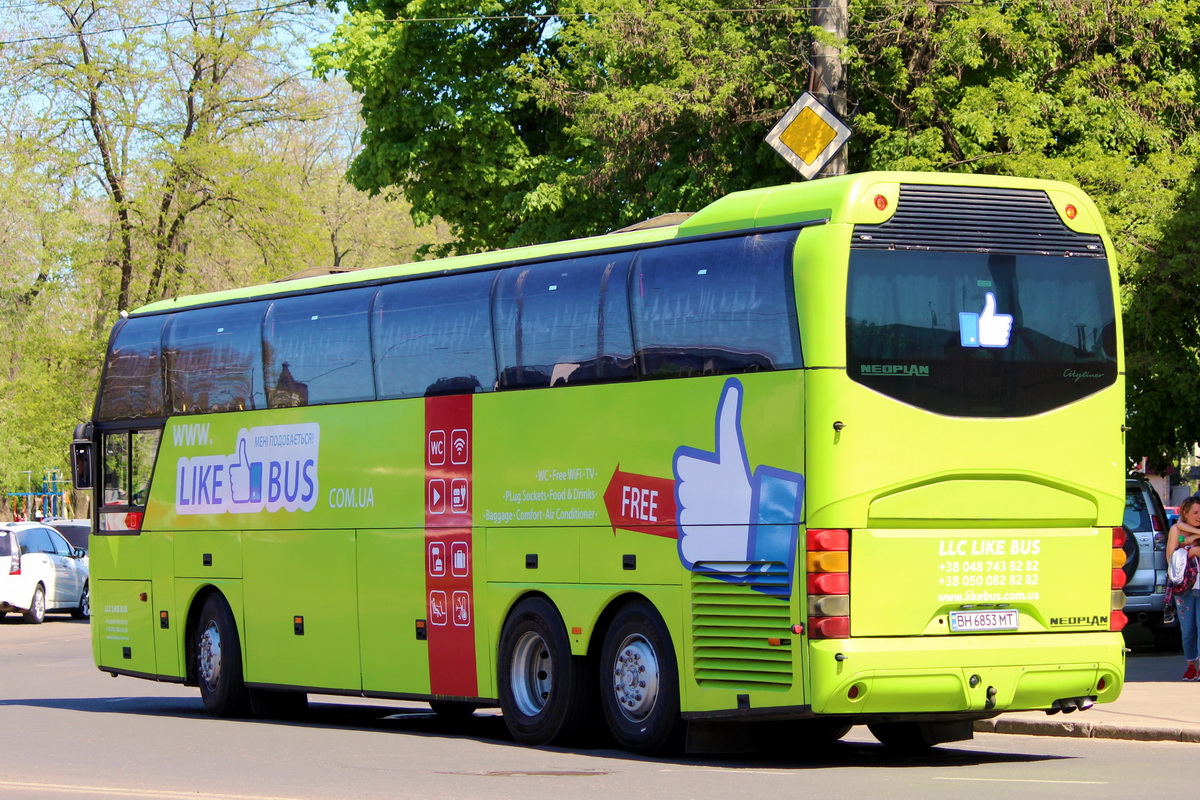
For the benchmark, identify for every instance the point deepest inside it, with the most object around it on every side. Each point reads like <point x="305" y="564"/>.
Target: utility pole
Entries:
<point x="827" y="82"/>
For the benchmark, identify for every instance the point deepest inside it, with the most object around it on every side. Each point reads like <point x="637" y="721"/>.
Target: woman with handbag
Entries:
<point x="1183" y="581"/>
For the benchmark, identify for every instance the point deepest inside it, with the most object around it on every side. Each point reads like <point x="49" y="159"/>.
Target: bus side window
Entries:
<point x="317" y="349"/>
<point x="563" y="323"/>
<point x="213" y="359"/>
<point x="144" y="453"/>
<point x="116" y="468"/>
<point x="716" y="307"/>
<point x="132" y="387"/>
<point x="434" y="337"/>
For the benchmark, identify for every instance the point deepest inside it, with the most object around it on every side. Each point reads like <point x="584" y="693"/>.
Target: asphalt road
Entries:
<point x="70" y="731"/>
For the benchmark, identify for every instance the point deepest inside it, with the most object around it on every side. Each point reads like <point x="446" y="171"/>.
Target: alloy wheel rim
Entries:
<point x="635" y="673"/>
<point x="531" y="676"/>
<point x="209" y="655"/>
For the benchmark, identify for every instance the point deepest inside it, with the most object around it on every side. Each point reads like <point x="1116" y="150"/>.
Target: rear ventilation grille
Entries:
<point x="732" y="628"/>
<point x="974" y="219"/>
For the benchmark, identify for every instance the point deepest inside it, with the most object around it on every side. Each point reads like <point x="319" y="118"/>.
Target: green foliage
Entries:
<point x="519" y="128"/>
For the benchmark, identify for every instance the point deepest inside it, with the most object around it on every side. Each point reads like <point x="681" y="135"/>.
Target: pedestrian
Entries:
<point x="1183" y="581"/>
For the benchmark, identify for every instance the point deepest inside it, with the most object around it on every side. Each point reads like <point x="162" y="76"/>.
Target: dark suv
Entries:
<point x="1145" y="561"/>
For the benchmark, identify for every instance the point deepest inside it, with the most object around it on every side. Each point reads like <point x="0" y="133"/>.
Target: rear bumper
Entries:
<point x="968" y="675"/>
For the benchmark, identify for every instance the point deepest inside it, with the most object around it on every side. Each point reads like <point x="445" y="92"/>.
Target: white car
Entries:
<point x="40" y="572"/>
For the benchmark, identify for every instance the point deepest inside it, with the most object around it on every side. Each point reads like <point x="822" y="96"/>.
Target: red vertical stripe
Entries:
<point x="449" y="559"/>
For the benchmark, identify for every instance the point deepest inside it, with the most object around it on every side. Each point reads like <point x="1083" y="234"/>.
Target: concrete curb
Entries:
<point x="1085" y="729"/>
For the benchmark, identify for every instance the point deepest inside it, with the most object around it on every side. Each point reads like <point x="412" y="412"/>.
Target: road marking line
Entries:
<point x="124" y="792"/>
<point x="1020" y="780"/>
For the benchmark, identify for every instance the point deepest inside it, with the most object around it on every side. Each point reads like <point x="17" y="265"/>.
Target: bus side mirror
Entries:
<point x="81" y="464"/>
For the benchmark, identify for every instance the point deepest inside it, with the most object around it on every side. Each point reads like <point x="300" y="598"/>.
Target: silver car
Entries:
<point x="41" y="572"/>
<point x="1146" y="561"/>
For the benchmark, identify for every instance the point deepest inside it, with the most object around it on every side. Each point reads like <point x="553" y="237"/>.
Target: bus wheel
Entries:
<point x="219" y="661"/>
<point x="639" y="681"/>
<point x="918" y="737"/>
<point x="543" y="689"/>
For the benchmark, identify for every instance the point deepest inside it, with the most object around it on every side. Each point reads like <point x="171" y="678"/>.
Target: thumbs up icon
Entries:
<point x="987" y="329"/>
<point x="245" y="477"/>
<point x="728" y="514"/>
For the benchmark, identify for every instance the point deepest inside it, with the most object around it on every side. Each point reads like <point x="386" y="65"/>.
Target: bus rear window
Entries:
<point x="980" y="334"/>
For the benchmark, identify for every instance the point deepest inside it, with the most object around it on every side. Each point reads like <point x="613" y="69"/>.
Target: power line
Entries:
<point x="149" y="25"/>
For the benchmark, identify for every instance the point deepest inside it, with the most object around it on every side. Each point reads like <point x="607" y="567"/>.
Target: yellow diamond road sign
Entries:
<point x="808" y="135"/>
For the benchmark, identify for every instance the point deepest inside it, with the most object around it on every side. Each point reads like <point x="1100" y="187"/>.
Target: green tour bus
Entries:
<point x="846" y="452"/>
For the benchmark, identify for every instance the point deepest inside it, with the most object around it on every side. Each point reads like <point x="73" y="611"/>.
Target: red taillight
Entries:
<point x="829" y="628"/>
<point x="828" y="583"/>
<point x="1118" y="538"/>
<point x="1116" y="620"/>
<point x="14" y="565"/>
<point x="1118" y="579"/>
<point x="1155" y="522"/>
<point x="828" y="539"/>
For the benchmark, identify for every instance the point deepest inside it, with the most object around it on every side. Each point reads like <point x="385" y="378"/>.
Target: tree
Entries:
<point x="150" y="150"/>
<point x="522" y="122"/>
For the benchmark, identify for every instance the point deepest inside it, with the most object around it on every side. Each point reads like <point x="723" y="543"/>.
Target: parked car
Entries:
<point x="1146" y="561"/>
<point x="75" y="531"/>
<point x="41" y="572"/>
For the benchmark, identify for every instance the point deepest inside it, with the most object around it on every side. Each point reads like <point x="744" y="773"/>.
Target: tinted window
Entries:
<point x="565" y="322"/>
<point x="434" y="337"/>
<point x="723" y="306"/>
<point x="977" y="334"/>
<point x="77" y="535"/>
<point x="5" y="546"/>
<point x="35" y="540"/>
<point x="59" y="543"/>
<point x="213" y="359"/>
<point x="144" y="449"/>
<point x="132" y="386"/>
<point x="1137" y="515"/>
<point x="318" y="349"/>
<point x="115" y="466"/>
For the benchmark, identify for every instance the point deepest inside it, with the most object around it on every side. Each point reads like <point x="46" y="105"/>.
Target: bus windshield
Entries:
<point x="980" y="334"/>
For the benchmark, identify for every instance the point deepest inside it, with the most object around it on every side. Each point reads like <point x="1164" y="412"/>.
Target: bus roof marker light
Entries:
<point x="881" y="202"/>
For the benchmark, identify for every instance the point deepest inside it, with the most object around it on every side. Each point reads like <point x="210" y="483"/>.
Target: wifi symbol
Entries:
<point x="458" y="446"/>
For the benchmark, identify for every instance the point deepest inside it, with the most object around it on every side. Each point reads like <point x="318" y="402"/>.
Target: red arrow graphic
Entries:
<point x="641" y="503"/>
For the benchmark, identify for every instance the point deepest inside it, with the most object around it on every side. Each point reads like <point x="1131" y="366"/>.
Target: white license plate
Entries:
<point x="987" y="620"/>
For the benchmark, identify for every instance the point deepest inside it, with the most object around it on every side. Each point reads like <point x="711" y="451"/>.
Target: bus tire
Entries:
<point x="543" y="689"/>
<point x="219" y="660"/>
<point x="914" y="738"/>
<point x="639" y="681"/>
<point x="37" y="606"/>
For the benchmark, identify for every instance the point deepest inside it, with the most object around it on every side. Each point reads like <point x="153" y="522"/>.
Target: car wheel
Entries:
<point x="639" y="682"/>
<point x="84" y="610"/>
<point x="37" y="607"/>
<point x="544" y="691"/>
<point x="219" y="660"/>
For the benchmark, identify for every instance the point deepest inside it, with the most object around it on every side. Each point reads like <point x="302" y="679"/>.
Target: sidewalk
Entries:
<point x="1155" y="705"/>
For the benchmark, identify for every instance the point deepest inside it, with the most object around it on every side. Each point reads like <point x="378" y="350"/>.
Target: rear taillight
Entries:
<point x="1160" y="539"/>
<point x="14" y="564"/>
<point x="828" y="579"/>
<point x="1116" y="617"/>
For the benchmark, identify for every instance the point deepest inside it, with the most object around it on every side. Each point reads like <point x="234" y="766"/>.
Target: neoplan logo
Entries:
<point x="1074" y="622"/>
<point x="906" y="370"/>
